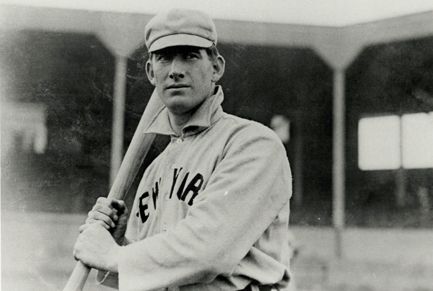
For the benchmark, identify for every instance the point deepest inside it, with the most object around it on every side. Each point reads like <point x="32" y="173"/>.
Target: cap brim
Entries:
<point x="179" y="40"/>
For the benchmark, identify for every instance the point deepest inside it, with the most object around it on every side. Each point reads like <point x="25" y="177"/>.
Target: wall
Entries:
<point x="37" y="254"/>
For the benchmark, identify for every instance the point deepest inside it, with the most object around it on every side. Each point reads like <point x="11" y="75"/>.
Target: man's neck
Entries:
<point x="177" y="122"/>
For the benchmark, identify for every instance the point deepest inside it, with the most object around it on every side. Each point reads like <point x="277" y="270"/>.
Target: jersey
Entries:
<point x="212" y="210"/>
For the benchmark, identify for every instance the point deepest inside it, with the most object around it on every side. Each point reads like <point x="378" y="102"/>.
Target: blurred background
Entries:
<point x="347" y="86"/>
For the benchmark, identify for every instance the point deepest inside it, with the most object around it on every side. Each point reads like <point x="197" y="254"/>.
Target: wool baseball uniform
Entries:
<point x="212" y="210"/>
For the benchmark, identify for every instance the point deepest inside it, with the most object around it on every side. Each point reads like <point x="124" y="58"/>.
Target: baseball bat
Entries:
<point x="137" y="151"/>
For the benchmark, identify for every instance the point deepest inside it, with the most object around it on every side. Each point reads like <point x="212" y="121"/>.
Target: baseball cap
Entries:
<point x="178" y="27"/>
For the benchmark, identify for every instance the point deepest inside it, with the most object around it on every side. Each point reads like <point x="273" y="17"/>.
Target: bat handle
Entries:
<point x="78" y="278"/>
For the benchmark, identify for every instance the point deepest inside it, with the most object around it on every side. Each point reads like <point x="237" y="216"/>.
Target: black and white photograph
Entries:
<point x="252" y="145"/>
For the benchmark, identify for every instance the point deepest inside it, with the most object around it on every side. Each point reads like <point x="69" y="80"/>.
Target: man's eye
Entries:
<point x="162" y="57"/>
<point x="191" y="56"/>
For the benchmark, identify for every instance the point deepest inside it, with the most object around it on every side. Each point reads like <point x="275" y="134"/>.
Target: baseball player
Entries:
<point x="212" y="210"/>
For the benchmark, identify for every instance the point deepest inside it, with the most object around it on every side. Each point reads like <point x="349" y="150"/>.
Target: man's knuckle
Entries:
<point x="97" y="207"/>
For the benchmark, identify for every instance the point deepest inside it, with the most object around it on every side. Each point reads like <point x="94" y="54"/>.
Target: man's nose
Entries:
<point x="177" y="69"/>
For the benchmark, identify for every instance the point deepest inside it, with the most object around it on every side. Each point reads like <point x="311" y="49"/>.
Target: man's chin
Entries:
<point x="179" y="107"/>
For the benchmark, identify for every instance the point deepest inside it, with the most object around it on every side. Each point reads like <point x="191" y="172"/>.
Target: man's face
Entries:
<point x="184" y="77"/>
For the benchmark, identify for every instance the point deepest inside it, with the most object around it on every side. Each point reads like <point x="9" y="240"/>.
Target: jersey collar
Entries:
<point x="207" y="114"/>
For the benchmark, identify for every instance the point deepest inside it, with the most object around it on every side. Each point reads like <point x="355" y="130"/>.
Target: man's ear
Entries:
<point x="219" y="65"/>
<point x="149" y="72"/>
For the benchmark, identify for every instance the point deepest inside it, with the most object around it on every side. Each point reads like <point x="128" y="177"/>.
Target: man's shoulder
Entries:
<point x="249" y="137"/>
<point x="247" y="128"/>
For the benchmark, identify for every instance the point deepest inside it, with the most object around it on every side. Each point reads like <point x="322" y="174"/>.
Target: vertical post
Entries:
<point x="299" y="160"/>
<point x="339" y="56"/>
<point x="338" y="170"/>
<point x="400" y="192"/>
<point x="400" y="177"/>
<point x="118" y="115"/>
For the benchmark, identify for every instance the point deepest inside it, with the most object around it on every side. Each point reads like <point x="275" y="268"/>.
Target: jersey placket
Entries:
<point x="175" y="147"/>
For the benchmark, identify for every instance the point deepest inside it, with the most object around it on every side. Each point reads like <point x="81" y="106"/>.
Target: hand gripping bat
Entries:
<point x="137" y="151"/>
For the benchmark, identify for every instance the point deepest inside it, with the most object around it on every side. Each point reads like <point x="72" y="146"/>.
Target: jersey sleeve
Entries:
<point x="246" y="192"/>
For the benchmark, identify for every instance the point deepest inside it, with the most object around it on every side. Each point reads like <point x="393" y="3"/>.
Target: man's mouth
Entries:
<point x="177" y="86"/>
